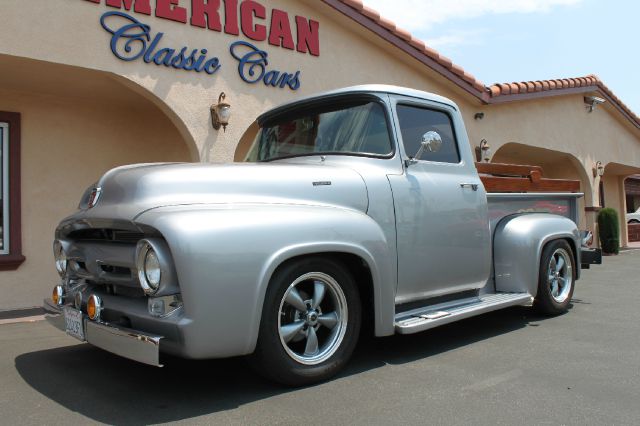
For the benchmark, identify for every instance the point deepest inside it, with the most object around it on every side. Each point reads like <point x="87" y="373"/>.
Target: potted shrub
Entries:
<point x="609" y="231"/>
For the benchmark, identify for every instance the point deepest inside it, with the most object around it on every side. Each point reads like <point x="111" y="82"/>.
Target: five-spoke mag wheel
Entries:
<point x="557" y="277"/>
<point x="313" y="318"/>
<point x="310" y="322"/>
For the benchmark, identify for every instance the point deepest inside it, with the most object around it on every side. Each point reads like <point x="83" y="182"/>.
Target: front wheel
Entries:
<point x="556" y="279"/>
<point x="310" y="322"/>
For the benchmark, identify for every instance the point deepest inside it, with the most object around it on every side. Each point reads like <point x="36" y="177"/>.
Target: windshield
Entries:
<point x="356" y="128"/>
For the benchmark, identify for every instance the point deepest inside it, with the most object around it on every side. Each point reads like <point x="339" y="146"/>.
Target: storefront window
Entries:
<point x="10" y="225"/>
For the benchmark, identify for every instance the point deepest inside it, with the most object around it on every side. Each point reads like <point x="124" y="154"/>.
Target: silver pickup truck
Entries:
<point x="357" y="206"/>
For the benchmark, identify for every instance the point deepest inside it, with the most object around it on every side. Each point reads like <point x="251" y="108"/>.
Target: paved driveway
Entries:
<point x="509" y="367"/>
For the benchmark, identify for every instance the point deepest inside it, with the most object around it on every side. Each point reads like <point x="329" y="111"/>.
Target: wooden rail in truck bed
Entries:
<point x="497" y="177"/>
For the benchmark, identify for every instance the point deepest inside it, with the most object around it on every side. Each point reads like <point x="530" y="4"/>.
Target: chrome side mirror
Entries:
<point x="431" y="142"/>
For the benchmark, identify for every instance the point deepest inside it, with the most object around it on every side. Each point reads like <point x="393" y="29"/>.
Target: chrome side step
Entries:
<point x="428" y="317"/>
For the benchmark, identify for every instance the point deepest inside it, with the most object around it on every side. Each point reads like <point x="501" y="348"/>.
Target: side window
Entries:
<point x="415" y="122"/>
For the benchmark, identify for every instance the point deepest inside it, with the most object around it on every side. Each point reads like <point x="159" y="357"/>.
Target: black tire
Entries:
<point x="552" y="299"/>
<point x="274" y="358"/>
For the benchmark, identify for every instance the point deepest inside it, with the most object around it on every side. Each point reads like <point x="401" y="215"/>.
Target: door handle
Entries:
<point x="473" y="186"/>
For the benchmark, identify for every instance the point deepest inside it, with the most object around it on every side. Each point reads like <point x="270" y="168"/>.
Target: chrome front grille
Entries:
<point x="106" y="235"/>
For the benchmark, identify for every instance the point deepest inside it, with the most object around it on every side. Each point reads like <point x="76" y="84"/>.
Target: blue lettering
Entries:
<point x="133" y="40"/>
<point x="251" y="60"/>
<point x="252" y="67"/>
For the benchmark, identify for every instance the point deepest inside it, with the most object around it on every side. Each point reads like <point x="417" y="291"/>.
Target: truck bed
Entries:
<point x="515" y="189"/>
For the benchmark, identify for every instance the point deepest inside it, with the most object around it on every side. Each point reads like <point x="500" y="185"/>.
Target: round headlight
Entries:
<point x="149" y="270"/>
<point x="60" y="258"/>
<point x="152" y="269"/>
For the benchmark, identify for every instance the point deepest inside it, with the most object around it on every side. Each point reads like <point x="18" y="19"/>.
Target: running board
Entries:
<point x="433" y="316"/>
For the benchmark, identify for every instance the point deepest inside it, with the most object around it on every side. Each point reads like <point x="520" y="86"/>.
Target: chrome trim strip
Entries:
<point x="124" y="342"/>
<point x="127" y="343"/>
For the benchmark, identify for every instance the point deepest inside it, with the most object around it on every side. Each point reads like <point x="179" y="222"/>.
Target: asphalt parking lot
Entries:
<point x="509" y="367"/>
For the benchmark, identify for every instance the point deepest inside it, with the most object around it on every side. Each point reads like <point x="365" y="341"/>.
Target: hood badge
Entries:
<point x="323" y="183"/>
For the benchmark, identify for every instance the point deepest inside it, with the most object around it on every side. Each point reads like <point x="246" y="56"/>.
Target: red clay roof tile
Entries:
<point x="590" y="82"/>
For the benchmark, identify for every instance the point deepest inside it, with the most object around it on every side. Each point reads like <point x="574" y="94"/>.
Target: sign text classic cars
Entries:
<point x="133" y="40"/>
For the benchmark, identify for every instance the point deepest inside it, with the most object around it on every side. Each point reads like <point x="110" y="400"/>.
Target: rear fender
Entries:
<point x="518" y="243"/>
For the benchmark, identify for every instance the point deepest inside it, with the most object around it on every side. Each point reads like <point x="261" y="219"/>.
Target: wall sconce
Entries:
<point x="598" y="169"/>
<point x="220" y="113"/>
<point x="592" y="102"/>
<point x="483" y="152"/>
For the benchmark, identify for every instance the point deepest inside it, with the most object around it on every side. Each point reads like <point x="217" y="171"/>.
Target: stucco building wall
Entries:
<point x="85" y="111"/>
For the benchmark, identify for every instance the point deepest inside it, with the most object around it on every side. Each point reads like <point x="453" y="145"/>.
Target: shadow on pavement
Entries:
<point x="110" y="389"/>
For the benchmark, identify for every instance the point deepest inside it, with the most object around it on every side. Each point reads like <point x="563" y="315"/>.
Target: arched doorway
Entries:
<point x="76" y="124"/>
<point x="613" y="193"/>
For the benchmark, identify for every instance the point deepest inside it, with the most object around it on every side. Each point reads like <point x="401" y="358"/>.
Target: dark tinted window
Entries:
<point x="340" y="128"/>
<point x="415" y="122"/>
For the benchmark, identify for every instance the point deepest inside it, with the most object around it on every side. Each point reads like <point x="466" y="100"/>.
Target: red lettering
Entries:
<point x="205" y="12"/>
<point x="141" y="6"/>
<point x="248" y="10"/>
<point x="280" y="33"/>
<point x="169" y="9"/>
<point x="308" y="36"/>
<point x="231" y="17"/>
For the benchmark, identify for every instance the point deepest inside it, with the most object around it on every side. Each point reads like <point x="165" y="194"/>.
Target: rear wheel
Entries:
<point x="556" y="279"/>
<point x="310" y="322"/>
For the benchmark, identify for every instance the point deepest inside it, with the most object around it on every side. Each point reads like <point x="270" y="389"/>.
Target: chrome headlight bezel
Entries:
<point x="144" y="252"/>
<point x="60" y="257"/>
<point x="167" y="277"/>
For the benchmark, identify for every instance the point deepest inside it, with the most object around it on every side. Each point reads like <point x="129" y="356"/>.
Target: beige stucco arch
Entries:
<point x="76" y="124"/>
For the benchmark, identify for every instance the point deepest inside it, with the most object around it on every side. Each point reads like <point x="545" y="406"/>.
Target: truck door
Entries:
<point x="443" y="236"/>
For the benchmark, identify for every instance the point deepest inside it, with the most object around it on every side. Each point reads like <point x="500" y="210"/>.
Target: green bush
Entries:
<point x="609" y="230"/>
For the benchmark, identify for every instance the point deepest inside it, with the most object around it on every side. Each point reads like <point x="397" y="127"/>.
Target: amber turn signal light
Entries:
<point x="58" y="295"/>
<point x="94" y="306"/>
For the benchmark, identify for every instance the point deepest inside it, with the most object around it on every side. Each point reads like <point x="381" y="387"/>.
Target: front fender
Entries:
<point x="225" y="256"/>
<point x="518" y="243"/>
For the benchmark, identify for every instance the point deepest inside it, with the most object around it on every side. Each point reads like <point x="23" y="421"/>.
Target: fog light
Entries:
<point x="94" y="307"/>
<point x="77" y="301"/>
<point x="156" y="307"/>
<point x="58" y="295"/>
<point x="165" y="305"/>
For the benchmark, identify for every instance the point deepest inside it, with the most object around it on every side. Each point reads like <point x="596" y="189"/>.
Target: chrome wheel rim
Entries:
<point x="560" y="275"/>
<point x="312" y="319"/>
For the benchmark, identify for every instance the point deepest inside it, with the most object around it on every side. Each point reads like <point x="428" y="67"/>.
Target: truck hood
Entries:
<point x="128" y="191"/>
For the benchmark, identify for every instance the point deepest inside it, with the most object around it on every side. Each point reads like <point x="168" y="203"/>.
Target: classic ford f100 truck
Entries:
<point x="362" y="205"/>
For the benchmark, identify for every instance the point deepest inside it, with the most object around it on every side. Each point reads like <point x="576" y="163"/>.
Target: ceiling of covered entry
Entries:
<point x="28" y="75"/>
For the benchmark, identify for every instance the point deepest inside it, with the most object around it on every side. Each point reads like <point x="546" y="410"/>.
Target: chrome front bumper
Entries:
<point x="127" y="343"/>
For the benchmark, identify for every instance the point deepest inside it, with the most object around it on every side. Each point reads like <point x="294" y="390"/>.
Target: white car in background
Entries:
<point x="634" y="217"/>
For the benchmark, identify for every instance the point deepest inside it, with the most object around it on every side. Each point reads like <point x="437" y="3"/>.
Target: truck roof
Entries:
<point x="368" y="88"/>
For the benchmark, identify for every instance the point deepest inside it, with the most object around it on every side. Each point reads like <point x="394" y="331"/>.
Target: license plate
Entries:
<point x="73" y="323"/>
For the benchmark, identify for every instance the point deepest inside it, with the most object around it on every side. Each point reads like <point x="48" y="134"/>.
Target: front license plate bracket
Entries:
<point x="74" y="323"/>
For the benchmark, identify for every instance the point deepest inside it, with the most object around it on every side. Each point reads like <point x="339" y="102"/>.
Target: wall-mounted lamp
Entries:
<point x="483" y="152"/>
<point x="220" y="113"/>
<point x="592" y="102"/>
<point x="598" y="169"/>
